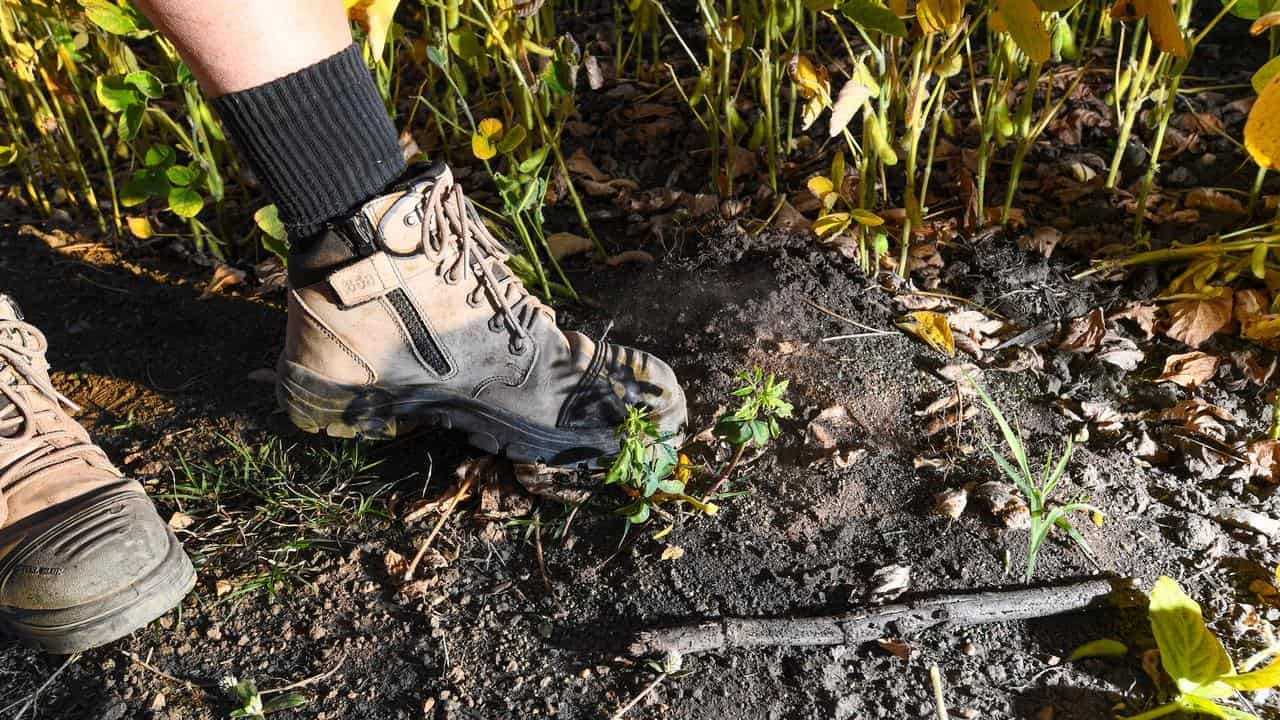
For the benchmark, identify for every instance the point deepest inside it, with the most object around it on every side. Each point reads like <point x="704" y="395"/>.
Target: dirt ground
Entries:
<point x="164" y="375"/>
<point x="294" y="583"/>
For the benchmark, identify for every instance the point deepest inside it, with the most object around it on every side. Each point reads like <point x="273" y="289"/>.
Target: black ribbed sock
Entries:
<point x="319" y="140"/>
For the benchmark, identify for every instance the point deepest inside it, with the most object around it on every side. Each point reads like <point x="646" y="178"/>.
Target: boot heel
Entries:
<point x="316" y="404"/>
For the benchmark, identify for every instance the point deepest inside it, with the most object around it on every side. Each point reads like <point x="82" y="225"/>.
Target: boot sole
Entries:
<point x="111" y="618"/>
<point x="316" y="404"/>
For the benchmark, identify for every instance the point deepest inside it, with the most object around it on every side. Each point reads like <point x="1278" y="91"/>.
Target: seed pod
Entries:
<point x="948" y="123"/>
<point x="1122" y="82"/>
<point x="1004" y="123"/>
<point x="1067" y="45"/>
<point x="951" y="503"/>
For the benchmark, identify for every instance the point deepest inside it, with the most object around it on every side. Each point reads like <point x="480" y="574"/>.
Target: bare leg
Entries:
<point x="234" y="45"/>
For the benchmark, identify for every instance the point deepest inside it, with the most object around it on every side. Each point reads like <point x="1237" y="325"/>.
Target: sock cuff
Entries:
<point x="319" y="140"/>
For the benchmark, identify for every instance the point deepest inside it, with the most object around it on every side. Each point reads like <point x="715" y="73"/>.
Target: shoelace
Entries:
<point x="449" y="219"/>
<point x="20" y="345"/>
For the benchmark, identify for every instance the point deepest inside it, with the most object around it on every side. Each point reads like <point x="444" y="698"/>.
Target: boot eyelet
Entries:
<point x="495" y="324"/>
<point x="518" y="346"/>
<point x="473" y="300"/>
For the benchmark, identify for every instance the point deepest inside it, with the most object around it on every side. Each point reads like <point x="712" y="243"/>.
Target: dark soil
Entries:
<point x="162" y="374"/>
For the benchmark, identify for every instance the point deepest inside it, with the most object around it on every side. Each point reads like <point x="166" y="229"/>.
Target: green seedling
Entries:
<point x="252" y="705"/>
<point x="1194" y="658"/>
<point x="755" y="422"/>
<point x="649" y="470"/>
<point x="1046" y="514"/>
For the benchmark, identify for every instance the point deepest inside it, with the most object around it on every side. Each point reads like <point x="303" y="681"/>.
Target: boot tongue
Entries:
<point x="9" y="309"/>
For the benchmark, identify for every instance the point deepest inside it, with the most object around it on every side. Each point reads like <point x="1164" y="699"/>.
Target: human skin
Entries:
<point x="233" y="45"/>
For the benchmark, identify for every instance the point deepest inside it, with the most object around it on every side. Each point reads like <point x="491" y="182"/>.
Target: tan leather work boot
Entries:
<point x="406" y="312"/>
<point x="84" y="558"/>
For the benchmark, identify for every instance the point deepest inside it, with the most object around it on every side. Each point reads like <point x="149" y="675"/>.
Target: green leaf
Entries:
<point x="874" y="15"/>
<point x="268" y="221"/>
<point x="559" y="77"/>
<point x="1106" y="647"/>
<point x="159" y="157"/>
<point x="181" y="175"/>
<point x="464" y="44"/>
<point x="512" y="139"/>
<point x="1205" y="706"/>
<point x="114" y="19"/>
<point x="148" y="85"/>
<point x="1253" y="9"/>
<point x="131" y="121"/>
<point x="284" y="702"/>
<point x="534" y="162"/>
<point x="436" y="56"/>
<point x="1266" y="74"/>
<point x="115" y="94"/>
<point x="142" y="186"/>
<point x="185" y="202"/>
<point x="1260" y="679"/>
<point x="8" y="154"/>
<point x="1191" y="654"/>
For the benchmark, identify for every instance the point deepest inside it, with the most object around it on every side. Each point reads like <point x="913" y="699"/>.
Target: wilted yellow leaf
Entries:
<point x="672" y="552"/>
<point x="831" y="223"/>
<point x="1160" y="19"/>
<point x="484" y="141"/>
<point x="819" y="185"/>
<point x="1262" y="131"/>
<point x="866" y="217"/>
<point x="932" y="328"/>
<point x="1026" y="27"/>
<point x="810" y="77"/>
<point x="375" y="17"/>
<point x="938" y="15"/>
<point x="140" y="227"/>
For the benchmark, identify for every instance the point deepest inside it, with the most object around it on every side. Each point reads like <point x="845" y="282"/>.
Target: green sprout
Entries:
<point x="1046" y="515"/>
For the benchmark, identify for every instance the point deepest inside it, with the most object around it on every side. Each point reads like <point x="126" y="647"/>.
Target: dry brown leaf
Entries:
<point x="951" y="503"/>
<point x="224" y="276"/>
<point x="1085" y="333"/>
<point x="1120" y="351"/>
<point x="895" y="647"/>
<point x="1215" y="200"/>
<point x="1142" y="314"/>
<point x="826" y="430"/>
<point x="579" y="164"/>
<point x="1042" y="241"/>
<point x="1194" y="320"/>
<point x="1003" y="503"/>
<point x="629" y="256"/>
<point x="1264" y="460"/>
<point x="563" y="244"/>
<point x="1253" y="370"/>
<point x="1190" y="370"/>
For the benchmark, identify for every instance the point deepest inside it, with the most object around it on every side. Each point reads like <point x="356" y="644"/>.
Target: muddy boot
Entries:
<point x="84" y="558"/>
<point x="406" y="313"/>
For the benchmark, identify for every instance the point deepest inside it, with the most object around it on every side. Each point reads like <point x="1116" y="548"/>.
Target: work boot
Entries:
<point x="405" y="312"/>
<point x="84" y="558"/>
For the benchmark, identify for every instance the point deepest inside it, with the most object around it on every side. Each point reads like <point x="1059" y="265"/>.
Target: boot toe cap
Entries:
<point x="74" y="556"/>
<point x="640" y="378"/>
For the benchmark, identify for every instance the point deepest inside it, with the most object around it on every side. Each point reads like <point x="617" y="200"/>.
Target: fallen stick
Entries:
<point x="897" y="620"/>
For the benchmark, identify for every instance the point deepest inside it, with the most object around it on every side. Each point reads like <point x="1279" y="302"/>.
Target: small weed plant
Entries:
<point x="252" y="705"/>
<point x="1046" y="515"/>
<point x="653" y="472"/>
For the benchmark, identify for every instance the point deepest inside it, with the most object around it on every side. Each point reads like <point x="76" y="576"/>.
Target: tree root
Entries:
<point x="896" y="620"/>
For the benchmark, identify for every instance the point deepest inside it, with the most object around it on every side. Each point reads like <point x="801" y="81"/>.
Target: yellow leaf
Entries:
<point x="1026" y="27"/>
<point x="811" y="78"/>
<point x="1264" y="23"/>
<point x="375" y="17"/>
<point x="938" y="15"/>
<point x="819" y="185"/>
<point x="1262" y="678"/>
<point x="490" y="128"/>
<point x="831" y="224"/>
<point x="663" y="532"/>
<point x="1191" y="654"/>
<point x="932" y="328"/>
<point x="482" y="148"/>
<point x="1262" y="130"/>
<point x="1160" y="19"/>
<point x="866" y="217"/>
<point x="672" y="552"/>
<point x="140" y="227"/>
